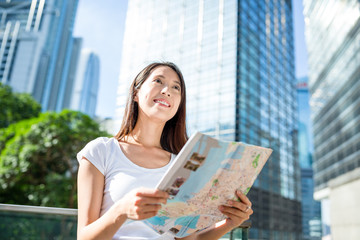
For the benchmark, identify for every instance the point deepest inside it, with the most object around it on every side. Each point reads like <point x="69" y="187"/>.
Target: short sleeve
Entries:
<point x="95" y="152"/>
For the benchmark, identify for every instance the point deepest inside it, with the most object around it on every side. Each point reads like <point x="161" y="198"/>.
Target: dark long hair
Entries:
<point x="174" y="134"/>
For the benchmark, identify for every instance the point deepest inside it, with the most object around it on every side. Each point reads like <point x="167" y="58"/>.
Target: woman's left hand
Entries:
<point x="237" y="211"/>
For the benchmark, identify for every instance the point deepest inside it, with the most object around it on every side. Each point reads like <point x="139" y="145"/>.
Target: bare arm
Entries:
<point x="138" y="204"/>
<point x="90" y="193"/>
<point x="237" y="213"/>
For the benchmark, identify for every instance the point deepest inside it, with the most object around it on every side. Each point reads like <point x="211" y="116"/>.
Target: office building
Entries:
<point x="332" y="30"/>
<point x="238" y="63"/>
<point x="72" y="74"/>
<point x="311" y="210"/>
<point x="85" y="90"/>
<point x="36" y="46"/>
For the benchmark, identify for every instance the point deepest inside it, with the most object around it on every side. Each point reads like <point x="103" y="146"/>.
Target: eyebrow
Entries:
<point x="162" y="76"/>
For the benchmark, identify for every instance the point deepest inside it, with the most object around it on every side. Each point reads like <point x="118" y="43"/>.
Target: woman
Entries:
<point x="117" y="176"/>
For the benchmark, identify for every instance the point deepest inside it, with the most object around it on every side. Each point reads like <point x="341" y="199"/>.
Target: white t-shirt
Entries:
<point x="122" y="176"/>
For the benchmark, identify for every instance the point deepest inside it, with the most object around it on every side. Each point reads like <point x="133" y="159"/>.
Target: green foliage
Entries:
<point x="16" y="106"/>
<point x="38" y="163"/>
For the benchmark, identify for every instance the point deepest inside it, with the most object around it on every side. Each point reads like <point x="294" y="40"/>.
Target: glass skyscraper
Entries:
<point x="86" y="84"/>
<point x="311" y="211"/>
<point x="238" y="64"/>
<point x="36" y="46"/>
<point x="333" y="40"/>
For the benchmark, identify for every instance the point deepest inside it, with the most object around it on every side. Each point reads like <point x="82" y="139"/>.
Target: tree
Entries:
<point x="16" y="106"/>
<point x="38" y="163"/>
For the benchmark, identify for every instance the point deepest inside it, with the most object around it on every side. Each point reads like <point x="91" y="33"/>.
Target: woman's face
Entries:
<point x="159" y="96"/>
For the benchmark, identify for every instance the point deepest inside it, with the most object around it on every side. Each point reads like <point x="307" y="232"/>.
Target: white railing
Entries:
<point x="37" y="209"/>
<point x="22" y="221"/>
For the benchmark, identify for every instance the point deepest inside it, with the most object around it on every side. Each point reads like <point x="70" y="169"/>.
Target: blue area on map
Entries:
<point x="238" y="152"/>
<point x="188" y="221"/>
<point x="160" y="221"/>
<point x="226" y="166"/>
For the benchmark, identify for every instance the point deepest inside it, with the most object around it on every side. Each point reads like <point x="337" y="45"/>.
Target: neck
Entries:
<point x="147" y="133"/>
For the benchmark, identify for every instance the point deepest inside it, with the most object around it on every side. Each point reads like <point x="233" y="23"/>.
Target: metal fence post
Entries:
<point x="245" y="233"/>
<point x="245" y="226"/>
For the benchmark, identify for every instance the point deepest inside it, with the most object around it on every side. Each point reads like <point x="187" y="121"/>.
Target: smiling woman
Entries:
<point x="117" y="176"/>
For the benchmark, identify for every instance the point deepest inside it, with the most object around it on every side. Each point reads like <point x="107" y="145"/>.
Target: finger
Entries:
<point x="151" y="208"/>
<point x="240" y="205"/>
<point x="243" y="198"/>
<point x="148" y="192"/>
<point x="236" y="218"/>
<point x="141" y="210"/>
<point x="234" y="211"/>
<point x="141" y="201"/>
<point x="145" y="215"/>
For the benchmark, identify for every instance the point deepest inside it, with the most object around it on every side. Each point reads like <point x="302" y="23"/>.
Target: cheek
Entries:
<point x="178" y="104"/>
<point x="143" y="96"/>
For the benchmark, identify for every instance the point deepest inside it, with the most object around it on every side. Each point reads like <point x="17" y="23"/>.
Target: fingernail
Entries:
<point x="221" y="208"/>
<point x="229" y="202"/>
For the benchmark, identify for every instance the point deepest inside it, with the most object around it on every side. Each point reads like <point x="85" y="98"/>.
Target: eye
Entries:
<point x="157" y="80"/>
<point x="177" y="87"/>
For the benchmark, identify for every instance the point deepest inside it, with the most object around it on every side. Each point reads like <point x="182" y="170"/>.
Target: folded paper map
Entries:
<point x="205" y="174"/>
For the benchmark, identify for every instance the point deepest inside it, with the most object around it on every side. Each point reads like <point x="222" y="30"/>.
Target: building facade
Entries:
<point x="85" y="89"/>
<point x="333" y="39"/>
<point x="238" y="63"/>
<point x="68" y="95"/>
<point x="36" y="46"/>
<point x="311" y="209"/>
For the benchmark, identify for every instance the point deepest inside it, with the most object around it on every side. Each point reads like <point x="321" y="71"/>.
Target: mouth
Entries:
<point x="162" y="102"/>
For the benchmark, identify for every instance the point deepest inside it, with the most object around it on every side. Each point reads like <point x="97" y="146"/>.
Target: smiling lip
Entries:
<point x="162" y="102"/>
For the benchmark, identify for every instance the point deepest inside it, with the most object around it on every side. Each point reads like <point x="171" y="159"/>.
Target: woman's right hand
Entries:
<point x="142" y="203"/>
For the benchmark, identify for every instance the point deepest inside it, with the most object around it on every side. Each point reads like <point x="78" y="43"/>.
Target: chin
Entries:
<point x="162" y="117"/>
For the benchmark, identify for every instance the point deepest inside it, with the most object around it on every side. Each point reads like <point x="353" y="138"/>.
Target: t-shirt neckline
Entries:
<point x="140" y="167"/>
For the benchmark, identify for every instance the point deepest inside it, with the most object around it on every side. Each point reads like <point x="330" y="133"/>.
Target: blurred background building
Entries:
<point x="36" y="41"/>
<point x="84" y="94"/>
<point x="237" y="58"/>
<point x="333" y="39"/>
<point x="67" y="97"/>
<point x="311" y="211"/>
<point x="39" y="54"/>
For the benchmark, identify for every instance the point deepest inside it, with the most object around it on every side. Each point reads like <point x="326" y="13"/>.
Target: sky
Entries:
<point x="301" y="67"/>
<point x="101" y="24"/>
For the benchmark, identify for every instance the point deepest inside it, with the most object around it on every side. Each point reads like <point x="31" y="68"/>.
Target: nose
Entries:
<point x="165" y="91"/>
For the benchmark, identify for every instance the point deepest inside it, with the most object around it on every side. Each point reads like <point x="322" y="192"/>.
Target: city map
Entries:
<point x="206" y="173"/>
